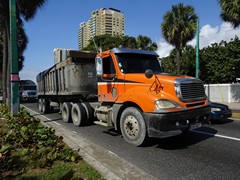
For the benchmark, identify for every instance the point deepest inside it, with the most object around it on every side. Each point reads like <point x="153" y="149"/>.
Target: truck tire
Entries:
<point x="45" y="106"/>
<point x="89" y="113"/>
<point x="40" y="104"/>
<point x="133" y="126"/>
<point x="66" y="112"/>
<point x="79" y="114"/>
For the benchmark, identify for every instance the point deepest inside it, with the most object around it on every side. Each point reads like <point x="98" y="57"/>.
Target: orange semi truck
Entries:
<point x="126" y="89"/>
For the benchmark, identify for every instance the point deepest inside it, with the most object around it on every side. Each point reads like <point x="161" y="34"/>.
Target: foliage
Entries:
<point x="27" y="143"/>
<point x="178" y="27"/>
<point x="219" y="63"/>
<point x="144" y="42"/>
<point x="187" y="61"/>
<point x="230" y="11"/>
<point x="107" y="41"/>
<point x="24" y="9"/>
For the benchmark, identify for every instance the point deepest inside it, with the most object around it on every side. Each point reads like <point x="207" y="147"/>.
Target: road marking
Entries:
<point x="46" y="117"/>
<point x="112" y="153"/>
<point x="217" y="135"/>
<point x="57" y="123"/>
<point x="74" y="132"/>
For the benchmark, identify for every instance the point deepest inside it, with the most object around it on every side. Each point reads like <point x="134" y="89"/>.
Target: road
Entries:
<point x="207" y="153"/>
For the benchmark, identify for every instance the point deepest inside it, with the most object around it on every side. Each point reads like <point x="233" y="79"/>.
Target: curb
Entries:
<point x="107" y="163"/>
<point x="236" y="115"/>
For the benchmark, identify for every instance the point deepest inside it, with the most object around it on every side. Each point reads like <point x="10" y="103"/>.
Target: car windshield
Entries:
<point x="138" y="63"/>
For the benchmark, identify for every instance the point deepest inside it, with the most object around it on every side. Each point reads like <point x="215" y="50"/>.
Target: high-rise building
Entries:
<point x="103" y="21"/>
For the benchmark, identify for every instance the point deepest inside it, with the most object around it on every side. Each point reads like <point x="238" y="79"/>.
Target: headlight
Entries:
<point x="166" y="104"/>
<point x="215" y="109"/>
<point x="24" y="94"/>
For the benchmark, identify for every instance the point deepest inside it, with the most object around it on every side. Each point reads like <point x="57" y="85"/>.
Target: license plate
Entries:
<point x="195" y="126"/>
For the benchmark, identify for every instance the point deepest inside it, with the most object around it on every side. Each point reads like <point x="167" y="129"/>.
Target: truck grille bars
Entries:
<point x="189" y="90"/>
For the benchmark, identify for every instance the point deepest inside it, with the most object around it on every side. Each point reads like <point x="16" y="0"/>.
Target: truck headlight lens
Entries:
<point x="24" y="94"/>
<point x="166" y="104"/>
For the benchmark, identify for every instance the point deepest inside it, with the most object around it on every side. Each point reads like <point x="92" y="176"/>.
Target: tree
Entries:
<point x="230" y="11"/>
<point x="187" y="61"/>
<point x="179" y="27"/>
<point x="108" y="42"/>
<point x="220" y="63"/>
<point x="144" y="42"/>
<point x="104" y="42"/>
<point x="25" y="9"/>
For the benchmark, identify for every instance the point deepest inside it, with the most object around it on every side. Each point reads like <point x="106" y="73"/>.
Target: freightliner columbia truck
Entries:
<point x="125" y="89"/>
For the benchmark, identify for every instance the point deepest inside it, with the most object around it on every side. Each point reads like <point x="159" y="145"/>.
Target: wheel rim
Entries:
<point x="131" y="127"/>
<point x="75" y="116"/>
<point x="40" y="104"/>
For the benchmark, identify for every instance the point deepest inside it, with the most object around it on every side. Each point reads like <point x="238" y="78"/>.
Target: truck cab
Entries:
<point x="145" y="101"/>
<point x="27" y="91"/>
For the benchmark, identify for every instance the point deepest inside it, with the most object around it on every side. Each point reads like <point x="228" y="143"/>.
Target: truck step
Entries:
<point x="102" y="123"/>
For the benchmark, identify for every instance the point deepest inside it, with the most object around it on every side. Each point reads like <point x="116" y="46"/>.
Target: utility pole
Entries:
<point x="14" y="58"/>
<point x="197" y="51"/>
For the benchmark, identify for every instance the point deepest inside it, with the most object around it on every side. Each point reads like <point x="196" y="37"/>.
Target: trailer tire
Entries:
<point x="66" y="112"/>
<point x="133" y="126"/>
<point x="40" y="104"/>
<point x="89" y="113"/>
<point x="79" y="114"/>
<point x="45" y="106"/>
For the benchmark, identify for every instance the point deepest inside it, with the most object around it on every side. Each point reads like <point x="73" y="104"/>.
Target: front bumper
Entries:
<point x="221" y="114"/>
<point x="161" y="125"/>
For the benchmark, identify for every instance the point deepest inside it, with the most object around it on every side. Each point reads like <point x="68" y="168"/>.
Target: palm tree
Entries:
<point x="144" y="42"/>
<point x="25" y="9"/>
<point x="179" y="27"/>
<point x="230" y="11"/>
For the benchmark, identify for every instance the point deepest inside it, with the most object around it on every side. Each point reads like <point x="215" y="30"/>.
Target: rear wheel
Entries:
<point x="79" y="114"/>
<point x="133" y="126"/>
<point x="45" y="106"/>
<point x="40" y="104"/>
<point x="66" y="112"/>
<point x="89" y="112"/>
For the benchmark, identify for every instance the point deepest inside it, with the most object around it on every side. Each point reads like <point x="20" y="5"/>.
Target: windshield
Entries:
<point x="138" y="63"/>
<point x="29" y="88"/>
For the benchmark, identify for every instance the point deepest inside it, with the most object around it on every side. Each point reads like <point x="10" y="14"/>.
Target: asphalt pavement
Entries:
<point x="206" y="153"/>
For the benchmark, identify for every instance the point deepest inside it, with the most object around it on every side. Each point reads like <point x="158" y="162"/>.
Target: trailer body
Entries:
<point x="125" y="89"/>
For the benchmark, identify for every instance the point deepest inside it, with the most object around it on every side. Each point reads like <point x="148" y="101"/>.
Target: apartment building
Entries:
<point x="103" y="21"/>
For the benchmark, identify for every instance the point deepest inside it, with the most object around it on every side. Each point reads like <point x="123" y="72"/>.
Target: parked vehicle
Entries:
<point x="27" y="90"/>
<point x="125" y="89"/>
<point x="220" y="111"/>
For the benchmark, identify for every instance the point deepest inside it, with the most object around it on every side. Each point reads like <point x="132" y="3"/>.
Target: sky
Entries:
<point x="56" y="26"/>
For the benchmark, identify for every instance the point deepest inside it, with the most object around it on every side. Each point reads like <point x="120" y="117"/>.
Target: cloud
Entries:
<point x="164" y="48"/>
<point x="207" y="36"/>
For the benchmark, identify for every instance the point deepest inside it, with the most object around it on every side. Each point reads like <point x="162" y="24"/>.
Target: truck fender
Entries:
<point x="116" y="115"/>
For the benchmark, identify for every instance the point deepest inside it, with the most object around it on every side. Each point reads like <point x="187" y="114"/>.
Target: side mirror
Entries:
<point x="99" y="67"/>
<point x="148" y="73"/>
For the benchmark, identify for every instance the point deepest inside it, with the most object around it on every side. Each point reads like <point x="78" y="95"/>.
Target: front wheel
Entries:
<point x="133" y="126"/>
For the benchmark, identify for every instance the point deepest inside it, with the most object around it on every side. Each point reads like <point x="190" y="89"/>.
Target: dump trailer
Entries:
<point x="125" y="89"/>
<point x="27" y="90"/>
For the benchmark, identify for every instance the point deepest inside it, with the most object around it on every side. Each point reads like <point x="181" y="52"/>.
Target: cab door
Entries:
<point x="108" y="82"/>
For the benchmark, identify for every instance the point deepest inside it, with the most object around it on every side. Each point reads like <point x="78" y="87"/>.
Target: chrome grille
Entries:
<point x="189" y="90"/>
<point x="32" y="93"/>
